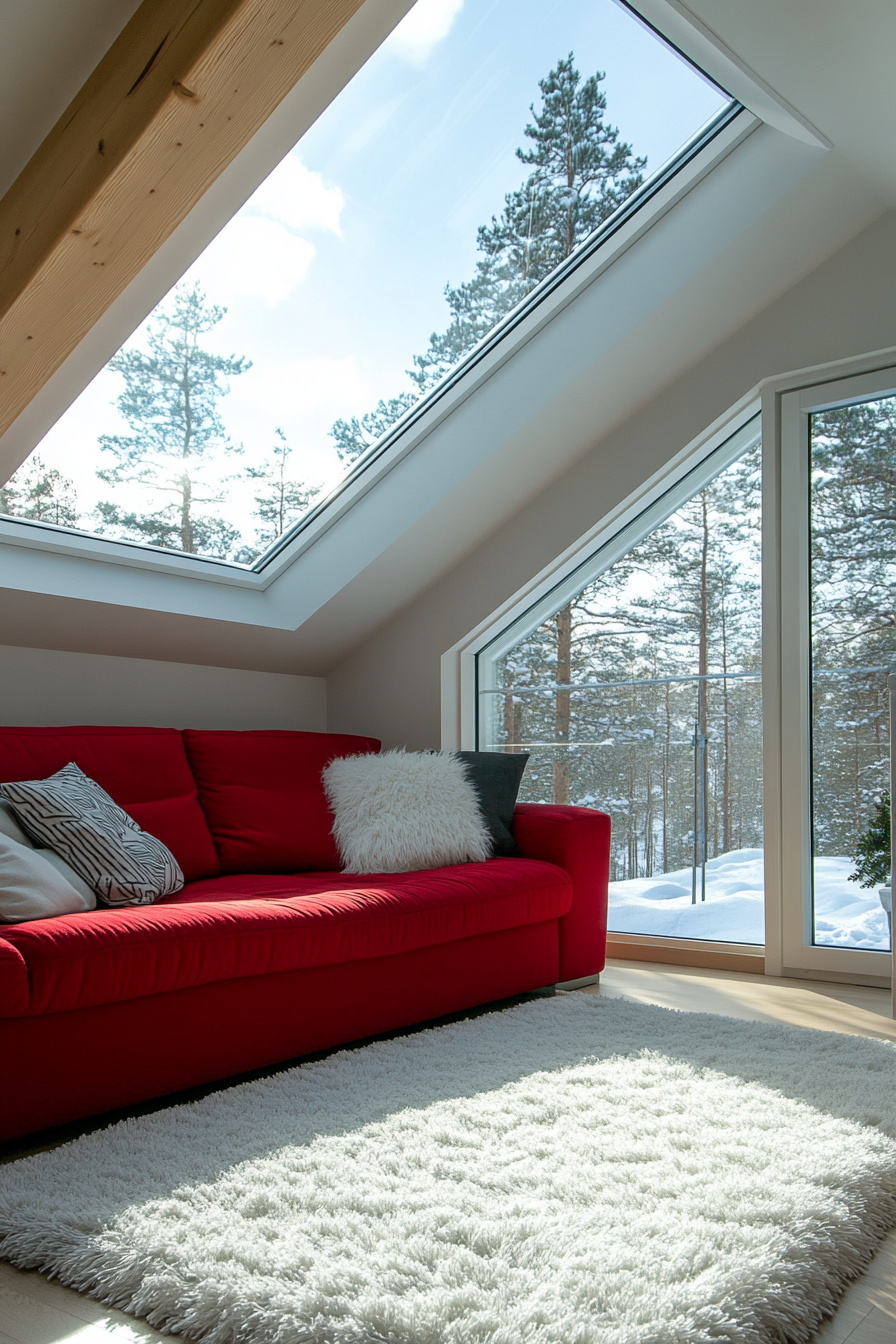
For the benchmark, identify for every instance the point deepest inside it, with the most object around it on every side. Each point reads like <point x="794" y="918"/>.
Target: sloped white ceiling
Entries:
<point x="831" y="61"/>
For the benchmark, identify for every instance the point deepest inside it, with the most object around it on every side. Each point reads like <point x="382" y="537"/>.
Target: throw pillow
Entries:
<point x="496" y="776"/>
<point x="70" y="875"/>
<point x="403" y="811"/>
<point x="10" y="827"/>
<point x="32" y="888"/>
<point x="72" y="815"/>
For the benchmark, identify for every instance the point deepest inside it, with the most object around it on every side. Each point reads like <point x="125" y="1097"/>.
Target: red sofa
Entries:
<point x="268" y="952"/>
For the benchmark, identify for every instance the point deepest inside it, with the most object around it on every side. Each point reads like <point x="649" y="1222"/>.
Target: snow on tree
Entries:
<point x="177" y="447"/>
<point x="40" y="493"/>
<point x="853" y="587"/>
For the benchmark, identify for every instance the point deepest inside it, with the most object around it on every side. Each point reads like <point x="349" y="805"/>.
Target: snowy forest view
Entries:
<point x="321" y="313"/>
<point x="610" y="695"/>
<point x="642" y="697"/>
<point x="853" y="601"/>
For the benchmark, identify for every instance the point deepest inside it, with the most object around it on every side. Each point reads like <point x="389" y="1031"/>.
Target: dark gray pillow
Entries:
<point x="496" y="777"/>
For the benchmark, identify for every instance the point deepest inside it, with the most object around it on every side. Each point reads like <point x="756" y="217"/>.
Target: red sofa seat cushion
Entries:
<point x="263" y="797"/>
<point x="230" y="927"/>
<point x="144" y="769"/>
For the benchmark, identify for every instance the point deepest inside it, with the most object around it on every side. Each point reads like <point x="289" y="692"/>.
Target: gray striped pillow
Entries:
<point x="72" y="815"/>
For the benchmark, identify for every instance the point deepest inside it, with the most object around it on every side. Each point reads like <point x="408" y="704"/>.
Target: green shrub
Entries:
<point x="872" y="858"/>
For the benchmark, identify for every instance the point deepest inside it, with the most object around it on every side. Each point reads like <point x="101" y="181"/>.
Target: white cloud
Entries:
<point x="254" y="258"/>
<point x="303" y="389"/>
<point x="259" y="254"/>
<point x="422" y="28"/>
<point x="297" y="197"/>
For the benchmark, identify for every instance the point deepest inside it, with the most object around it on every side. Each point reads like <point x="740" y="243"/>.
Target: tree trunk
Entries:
<point x="648" y="824"/>
<point x="562" y="704"/>
<point x="564" y="616"/>
<point x="700" y="735"/>
<point x="726" y="744"/>
<point x="666" y="749"/>
<point x="513" y="713"/>
<point x="186" y="522"/>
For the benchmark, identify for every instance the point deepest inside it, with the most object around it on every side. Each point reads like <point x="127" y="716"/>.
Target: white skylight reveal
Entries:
<point x="479" y="147"/>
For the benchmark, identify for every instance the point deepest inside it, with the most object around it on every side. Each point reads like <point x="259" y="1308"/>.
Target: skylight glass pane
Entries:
<point x="475" y="150"/>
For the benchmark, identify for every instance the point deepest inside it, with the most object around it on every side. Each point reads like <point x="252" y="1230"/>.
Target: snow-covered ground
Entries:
<point x="846" y="915"/>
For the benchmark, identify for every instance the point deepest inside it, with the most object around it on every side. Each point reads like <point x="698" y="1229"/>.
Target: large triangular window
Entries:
<point x="481" y="152"/>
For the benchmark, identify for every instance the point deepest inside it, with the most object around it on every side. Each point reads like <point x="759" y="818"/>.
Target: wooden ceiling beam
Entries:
<point x="177" y="96"/>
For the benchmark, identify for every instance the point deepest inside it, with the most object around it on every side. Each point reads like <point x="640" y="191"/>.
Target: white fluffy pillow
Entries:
<point x="32" y="887"/>
<point x="402" y="811"/>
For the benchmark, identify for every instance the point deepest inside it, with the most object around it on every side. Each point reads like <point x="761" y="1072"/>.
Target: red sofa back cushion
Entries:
<point x="144" y="769"/>
<point x="263" y="798"/>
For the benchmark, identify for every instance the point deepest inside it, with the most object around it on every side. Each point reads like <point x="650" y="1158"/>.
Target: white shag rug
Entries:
<point x="575" y="1170"/>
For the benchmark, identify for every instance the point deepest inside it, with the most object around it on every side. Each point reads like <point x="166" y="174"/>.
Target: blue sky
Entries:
<point x="333" y="272"/>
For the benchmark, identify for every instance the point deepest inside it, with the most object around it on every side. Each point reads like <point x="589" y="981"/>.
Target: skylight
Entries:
<point x="481" y="144"/>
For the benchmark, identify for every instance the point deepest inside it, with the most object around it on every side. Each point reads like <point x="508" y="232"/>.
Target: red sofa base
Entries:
<point x="60" y="1067"/>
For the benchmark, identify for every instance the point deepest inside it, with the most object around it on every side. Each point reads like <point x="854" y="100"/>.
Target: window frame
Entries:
<point x="785" y="403"/>
<point x="787" y="677"/>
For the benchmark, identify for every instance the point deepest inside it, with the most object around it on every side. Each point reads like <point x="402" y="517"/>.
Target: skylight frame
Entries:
<point x="644" y="208"/>
<point x="533" y="300"/>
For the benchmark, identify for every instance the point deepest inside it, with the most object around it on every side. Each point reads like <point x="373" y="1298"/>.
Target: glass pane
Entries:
<point x="641" y="697"/>
<point x="853" y="606"/>
<point x="479" y="147"/>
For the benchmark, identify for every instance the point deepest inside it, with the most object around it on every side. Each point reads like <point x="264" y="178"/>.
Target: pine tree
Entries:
<point x="872" y="856"/>
<point x="854" y="528"/>
<point x="282" y="501"/>
<point x="581" y="173"/>
<point x="40" y="493"/>
<point x="353" y="437"/>
<point x="177" y="441"/>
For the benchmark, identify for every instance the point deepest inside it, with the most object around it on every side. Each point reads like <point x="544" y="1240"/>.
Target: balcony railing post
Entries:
<point x="700" y="815"/>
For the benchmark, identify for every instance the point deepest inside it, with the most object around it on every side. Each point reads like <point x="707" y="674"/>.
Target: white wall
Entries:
<point x="48" y="687"/>
<point x="390" y="686"/>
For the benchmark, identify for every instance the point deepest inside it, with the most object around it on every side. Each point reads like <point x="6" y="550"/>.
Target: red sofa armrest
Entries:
<point x="578" y="840"/>
<point x="14" y="989"/>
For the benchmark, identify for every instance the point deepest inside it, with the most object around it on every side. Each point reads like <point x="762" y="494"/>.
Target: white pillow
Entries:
<point x="402" y="811"/>
<point x="68" y="872"/>
<point x="10" y="827"/>
<point x="74" y="816"/>
<point x="31" y="887"/>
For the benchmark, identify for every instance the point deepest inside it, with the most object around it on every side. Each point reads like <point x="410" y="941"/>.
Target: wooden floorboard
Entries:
<point x="35" y="1310"/>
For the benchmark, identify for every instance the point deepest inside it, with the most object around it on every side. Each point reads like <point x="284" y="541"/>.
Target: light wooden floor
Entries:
<point x="36" y="1311"/>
